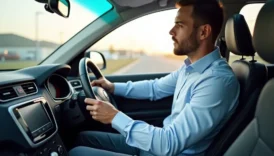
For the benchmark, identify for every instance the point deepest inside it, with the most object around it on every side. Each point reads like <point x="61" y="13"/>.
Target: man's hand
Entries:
<point x="101" y="111"/>
<point x="104" y="83"/>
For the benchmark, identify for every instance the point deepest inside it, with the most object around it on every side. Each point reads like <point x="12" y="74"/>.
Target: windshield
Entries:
<point x="29" y="33"/>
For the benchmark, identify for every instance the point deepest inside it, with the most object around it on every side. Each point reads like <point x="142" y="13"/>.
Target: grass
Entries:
<point x="115" y="65"/>
<point x="16" y="64"/>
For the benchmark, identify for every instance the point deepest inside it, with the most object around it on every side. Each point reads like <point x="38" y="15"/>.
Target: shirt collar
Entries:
<point x="203" y="62"/>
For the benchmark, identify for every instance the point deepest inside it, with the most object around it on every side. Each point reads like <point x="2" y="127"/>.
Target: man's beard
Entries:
<point x="188" y="46"/>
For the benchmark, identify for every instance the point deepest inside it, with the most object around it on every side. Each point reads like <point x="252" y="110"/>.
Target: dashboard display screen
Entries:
<point x="34" y="116"/>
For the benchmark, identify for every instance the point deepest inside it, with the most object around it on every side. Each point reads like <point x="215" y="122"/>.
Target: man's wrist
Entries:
<point x="120" y="121"/>
<point x="114" y="114"/>
<point x="112" y="88"/>
<point x="119" y="88"/>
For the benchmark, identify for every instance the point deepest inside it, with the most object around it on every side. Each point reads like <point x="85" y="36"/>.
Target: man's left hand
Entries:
<point x="101" y="111"/>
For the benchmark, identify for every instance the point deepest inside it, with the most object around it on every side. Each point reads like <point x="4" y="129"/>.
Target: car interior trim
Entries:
<point x="18" y="97"/>
<point x="31" y="143"/>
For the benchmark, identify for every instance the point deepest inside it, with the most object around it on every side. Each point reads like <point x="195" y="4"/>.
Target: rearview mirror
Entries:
<point x="97" y="58"/>
<point x="61" y="7"/>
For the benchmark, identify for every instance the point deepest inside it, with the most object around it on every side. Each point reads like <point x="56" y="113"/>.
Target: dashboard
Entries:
<point x="30" y="104"/>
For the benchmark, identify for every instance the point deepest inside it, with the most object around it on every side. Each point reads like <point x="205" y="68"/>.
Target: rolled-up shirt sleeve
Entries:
<point x="208" y="105"/>
<point x="148" y="89"/>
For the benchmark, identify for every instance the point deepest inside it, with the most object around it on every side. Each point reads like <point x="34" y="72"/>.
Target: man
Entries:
<point x="205" y="95"/>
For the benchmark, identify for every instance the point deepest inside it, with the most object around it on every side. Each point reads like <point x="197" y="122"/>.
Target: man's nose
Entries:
<point x="171" y="32"/>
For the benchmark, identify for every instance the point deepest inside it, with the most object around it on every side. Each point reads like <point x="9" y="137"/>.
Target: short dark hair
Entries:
<point x="206" y="12"/>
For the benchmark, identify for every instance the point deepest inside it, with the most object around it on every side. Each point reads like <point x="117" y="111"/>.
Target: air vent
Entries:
<point x="29" y="88"/>
<point x="7" y="93"/>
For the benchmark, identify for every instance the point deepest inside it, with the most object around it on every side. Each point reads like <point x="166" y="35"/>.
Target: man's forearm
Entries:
<point x="136" y="90"/>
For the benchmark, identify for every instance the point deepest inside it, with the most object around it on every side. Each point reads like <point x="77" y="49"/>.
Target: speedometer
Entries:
<point x="58" y="87"/>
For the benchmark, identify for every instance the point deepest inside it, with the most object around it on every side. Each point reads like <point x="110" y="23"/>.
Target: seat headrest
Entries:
<point x="238" y="37"/>
<point x="264" y="32"/>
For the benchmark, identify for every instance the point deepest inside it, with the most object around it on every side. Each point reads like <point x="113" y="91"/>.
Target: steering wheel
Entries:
<point x="95" y="92"/>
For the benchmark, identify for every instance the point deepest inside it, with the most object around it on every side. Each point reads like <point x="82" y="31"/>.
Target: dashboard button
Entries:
<point x="34" y="134"/>
<point x="60" y="149"/>
<point x="75" y="83"/>
<point x="19" y="90"/>
<point x="49" y="125"/>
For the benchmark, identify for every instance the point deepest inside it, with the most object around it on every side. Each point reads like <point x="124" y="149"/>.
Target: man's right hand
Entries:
<point x="104" y="83"/>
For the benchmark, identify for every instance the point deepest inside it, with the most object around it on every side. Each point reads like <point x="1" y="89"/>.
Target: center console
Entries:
<point x="53" y="147"/>
<point x="37" y="124"/>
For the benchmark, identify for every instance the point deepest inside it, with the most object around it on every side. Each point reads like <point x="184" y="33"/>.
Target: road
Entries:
<point x="151" y="64"/>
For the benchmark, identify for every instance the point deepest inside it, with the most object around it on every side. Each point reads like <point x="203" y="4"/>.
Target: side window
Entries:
<point x="250" y="12"/>
<point x="141" y="46"/>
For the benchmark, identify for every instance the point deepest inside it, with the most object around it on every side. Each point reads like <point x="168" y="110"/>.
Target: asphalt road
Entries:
<point x="151" y="64"/>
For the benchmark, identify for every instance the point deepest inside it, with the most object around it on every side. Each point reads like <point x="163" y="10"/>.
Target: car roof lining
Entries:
<point x="163" y="3"/>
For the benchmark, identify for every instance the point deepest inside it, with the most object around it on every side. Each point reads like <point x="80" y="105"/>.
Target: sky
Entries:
<point x="18" y="17"/>
<point x="149" y="34"/>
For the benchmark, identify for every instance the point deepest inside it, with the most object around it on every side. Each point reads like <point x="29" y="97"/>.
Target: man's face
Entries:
<point x="183" y="33"/>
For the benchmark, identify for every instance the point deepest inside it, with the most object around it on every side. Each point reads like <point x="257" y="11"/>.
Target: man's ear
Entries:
<point x="205" y="31"/>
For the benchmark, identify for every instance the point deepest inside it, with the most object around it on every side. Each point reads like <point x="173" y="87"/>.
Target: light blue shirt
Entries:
<point x="205" y="95"/>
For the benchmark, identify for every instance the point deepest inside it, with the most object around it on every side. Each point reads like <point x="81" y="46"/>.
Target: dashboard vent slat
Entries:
<point x="29" y="88"/>
<point x="7" y="93"/>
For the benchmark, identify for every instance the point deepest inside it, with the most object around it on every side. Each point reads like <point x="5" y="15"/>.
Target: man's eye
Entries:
<point x="179" y="25"/>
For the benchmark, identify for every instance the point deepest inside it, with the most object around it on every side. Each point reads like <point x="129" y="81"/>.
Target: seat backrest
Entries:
<point x="251" y="75"/>
<point x="258" y="137"/>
